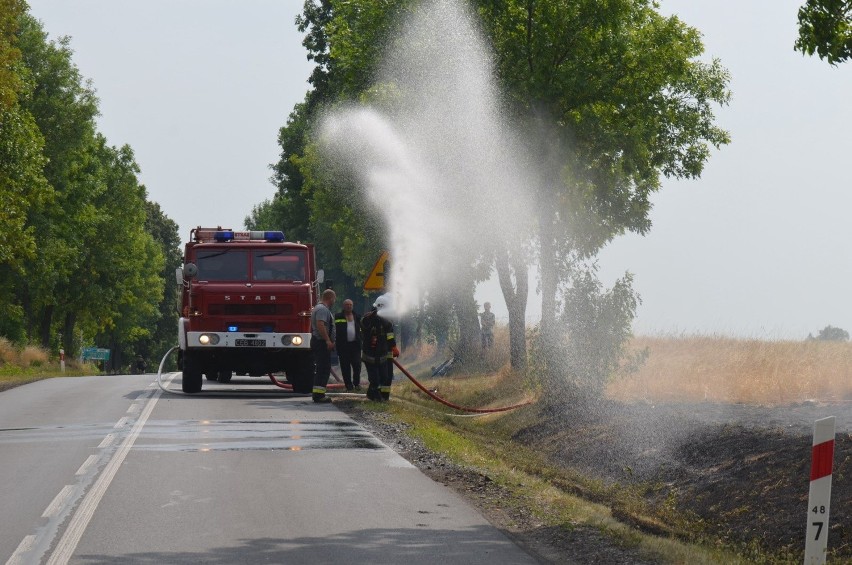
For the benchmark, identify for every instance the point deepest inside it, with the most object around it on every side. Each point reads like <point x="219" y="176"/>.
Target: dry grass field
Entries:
<point x="713" y="368"/>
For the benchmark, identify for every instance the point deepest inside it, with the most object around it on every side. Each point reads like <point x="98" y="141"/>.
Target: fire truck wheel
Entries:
<point x="191" y="374"/>
<point x="224" y="375"/>
<point x="211" y="376"/>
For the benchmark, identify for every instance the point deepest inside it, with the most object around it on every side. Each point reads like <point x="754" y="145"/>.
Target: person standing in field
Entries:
<point x="347" y="324"/>
<point x="322" y="343"/>
<point x="486" y="320"/>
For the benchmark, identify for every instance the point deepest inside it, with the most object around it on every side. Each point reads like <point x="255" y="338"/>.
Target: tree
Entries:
<point x="123" y="264"/>
<point x="64" y="108"/>
<point x="825" y="28"/>
<point x="597" y="323"/>
<point x="11" y="81"/>
<point x="164" y="232"/>
<point x="830" y="333"/>
<point x="612" y="95"/>
<point x="616" y="97"/>
<point x="23" y="187"/>
<point x="94" y="266"/>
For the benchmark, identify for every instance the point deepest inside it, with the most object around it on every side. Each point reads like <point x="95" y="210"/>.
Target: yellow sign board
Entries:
<point x="377" y="279"/>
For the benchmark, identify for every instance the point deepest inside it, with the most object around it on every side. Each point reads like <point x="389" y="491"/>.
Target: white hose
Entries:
<point x="160" y="373"/>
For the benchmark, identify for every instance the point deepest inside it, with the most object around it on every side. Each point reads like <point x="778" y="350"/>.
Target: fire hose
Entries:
<point x="432" y="395"/>
<point x="437" y="398"/>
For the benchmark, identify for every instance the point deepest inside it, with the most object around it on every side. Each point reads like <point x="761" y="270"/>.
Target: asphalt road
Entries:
<point x="113" y="469"/>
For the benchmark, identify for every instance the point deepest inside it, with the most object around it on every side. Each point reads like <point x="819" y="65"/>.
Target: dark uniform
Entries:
<point x="379" y="345"/>
<point x="349" y="352"/>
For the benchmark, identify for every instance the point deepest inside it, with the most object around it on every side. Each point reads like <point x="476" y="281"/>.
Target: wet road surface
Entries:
<point x="113" y="469"/>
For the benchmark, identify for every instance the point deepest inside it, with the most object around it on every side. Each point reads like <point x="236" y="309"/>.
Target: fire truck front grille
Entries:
<point x="250" y="309"/>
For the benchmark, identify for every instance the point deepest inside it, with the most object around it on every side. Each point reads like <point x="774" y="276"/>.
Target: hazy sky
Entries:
<point x="758" y="247"/>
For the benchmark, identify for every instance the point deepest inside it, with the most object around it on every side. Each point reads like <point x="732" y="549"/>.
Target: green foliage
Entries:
<point x="94" y="272"/>
<point x="612" y="95"/>
<point x="11" y="81"/>
<point x="23" y="187"/>
<point x="620" y="87"/>
<point x="129" y="288"/>
<point x="588" y="343"/>
<point x="164" y="232"/>
<point x="825" y="28"/>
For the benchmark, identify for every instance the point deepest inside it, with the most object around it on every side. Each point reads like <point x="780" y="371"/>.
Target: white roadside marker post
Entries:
<point x="819" y="496"/>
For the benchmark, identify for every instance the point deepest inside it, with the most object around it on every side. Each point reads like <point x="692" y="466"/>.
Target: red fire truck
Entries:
<point x="246" y="307"/>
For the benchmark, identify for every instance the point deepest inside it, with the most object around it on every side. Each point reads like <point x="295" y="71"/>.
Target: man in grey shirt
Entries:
<point x="322" y="343"/>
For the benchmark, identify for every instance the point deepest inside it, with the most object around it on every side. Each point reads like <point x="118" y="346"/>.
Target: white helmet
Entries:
<point x="384" y="306"/>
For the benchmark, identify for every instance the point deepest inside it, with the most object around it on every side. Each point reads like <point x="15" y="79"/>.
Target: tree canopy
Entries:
<point x="83" y="253"/>
<point x="610" y="98"/>
<point x="825" y="28"/>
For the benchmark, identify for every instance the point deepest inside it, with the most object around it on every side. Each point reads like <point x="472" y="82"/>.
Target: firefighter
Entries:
<point x="384" y="307"/>
<point x="348" y="328"/>
<point x="322" y="343"/>
<point x="378" y="347"/>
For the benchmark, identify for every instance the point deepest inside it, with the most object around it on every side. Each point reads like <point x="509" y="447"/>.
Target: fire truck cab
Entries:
<point x="246" y="305"/>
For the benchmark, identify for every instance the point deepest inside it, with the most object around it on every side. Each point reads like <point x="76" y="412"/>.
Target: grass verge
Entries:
<point x="12" y="375"/>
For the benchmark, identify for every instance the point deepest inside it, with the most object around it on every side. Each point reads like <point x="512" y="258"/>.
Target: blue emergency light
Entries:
<point x="232" y="328"/>
<point x="276" y="236"/>
<point x="223" y="236"/>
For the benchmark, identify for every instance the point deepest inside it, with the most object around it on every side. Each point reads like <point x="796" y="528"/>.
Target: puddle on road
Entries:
<point x="214" y="435"/>
<point x="256" y="435"/>
<point x="52" y="433"/>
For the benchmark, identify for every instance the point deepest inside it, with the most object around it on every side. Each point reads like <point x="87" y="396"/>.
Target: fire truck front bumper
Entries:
<point x="249" y="340"/>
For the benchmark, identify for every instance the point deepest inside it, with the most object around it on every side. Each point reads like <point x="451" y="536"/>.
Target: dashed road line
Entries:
<point x="17" y="557"/>
<point x="58" y="501"/>
<point x="33" y="547"/>
<point x="107" y="441"/>
<point x="83" y="515"/>
<point x="87" y="464"/>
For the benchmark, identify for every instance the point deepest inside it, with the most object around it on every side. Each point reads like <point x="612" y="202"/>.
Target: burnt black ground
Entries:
<point x="734" y="473"/>
<point x="740" y="472"/>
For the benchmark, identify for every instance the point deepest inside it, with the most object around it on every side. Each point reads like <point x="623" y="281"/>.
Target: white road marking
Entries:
<point x="83" y="515"/>
<point x="58" y="501"/>
<point x="121" y="423"/>
<point x="106" y="441"/>
<point x="84" y="468"/>
<point x="17" y="556"/>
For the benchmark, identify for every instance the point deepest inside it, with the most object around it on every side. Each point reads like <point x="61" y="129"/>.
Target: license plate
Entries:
<point x="250" y="343"/>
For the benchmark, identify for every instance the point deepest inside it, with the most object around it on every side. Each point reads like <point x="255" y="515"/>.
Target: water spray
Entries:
<point x="439" y="160"/>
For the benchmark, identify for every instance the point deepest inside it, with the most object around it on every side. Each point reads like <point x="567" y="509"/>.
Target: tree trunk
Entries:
<point x="515" y="294"/>
<point x="44" y="327"/>
<point x="439" y="314"/>
<point x="68" y="333"/>
<point x="464" y="306"/>
<point x="549" y="273"/>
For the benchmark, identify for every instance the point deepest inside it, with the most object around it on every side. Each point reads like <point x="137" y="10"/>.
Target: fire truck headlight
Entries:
<point x="208" y="339"/>
<point x="297" y="340"/>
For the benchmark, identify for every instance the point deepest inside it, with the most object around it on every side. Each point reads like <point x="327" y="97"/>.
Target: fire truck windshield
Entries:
<point x="222" y="265"/>
<point x="283" y="265"/>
